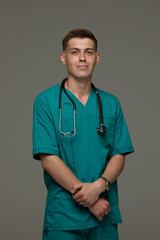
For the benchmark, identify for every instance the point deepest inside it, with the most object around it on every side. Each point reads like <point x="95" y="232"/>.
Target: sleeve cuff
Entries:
<point x="124" y="150"/>
<point x="44" y="150"/>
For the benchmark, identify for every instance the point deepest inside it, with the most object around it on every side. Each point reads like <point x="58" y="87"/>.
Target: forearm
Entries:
<point x="114" y="167"/>
<point x="88" y="193"/>
<point x="111" y="173"/>
<point x="59" y="171"/>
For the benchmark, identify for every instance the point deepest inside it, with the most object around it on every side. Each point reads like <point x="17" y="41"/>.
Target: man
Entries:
<point x="81" y="161"/>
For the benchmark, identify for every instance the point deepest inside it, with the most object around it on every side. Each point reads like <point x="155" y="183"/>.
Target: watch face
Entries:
<point x="108" y="185"/>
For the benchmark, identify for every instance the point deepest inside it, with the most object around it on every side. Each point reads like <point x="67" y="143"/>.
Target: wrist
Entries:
<point x="107" y="183"/>
<point x="101" y="185"/>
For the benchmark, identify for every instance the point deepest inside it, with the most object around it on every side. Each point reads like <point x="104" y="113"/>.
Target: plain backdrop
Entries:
<point x="128" y="34"/>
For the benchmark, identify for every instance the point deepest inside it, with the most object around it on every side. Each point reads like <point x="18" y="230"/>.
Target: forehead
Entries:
<point x="81" y="43"/>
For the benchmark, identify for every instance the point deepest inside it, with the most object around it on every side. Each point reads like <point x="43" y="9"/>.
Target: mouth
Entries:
<point x="82" y="66"/>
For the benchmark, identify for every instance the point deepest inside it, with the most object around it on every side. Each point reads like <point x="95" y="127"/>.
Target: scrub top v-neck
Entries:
<point x="79" y="104"/>
<point x="86" y="154"/>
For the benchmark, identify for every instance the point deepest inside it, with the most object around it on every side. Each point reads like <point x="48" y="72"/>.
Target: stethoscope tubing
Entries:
<point x="102" y="127"/>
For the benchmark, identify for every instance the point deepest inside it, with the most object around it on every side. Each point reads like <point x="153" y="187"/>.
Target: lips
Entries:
<point x="82" y="66"/>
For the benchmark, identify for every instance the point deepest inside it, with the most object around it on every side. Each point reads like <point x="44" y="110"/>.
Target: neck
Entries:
<point x="79" y="88"/>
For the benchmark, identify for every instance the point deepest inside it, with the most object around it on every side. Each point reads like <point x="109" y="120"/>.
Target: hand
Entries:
<point x="100" y="208"/>
<point x="87" y="194"/>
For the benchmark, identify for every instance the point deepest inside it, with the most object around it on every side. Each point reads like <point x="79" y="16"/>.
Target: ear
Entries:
<point x="63" y="60"/>
<point x="97" y="58"/>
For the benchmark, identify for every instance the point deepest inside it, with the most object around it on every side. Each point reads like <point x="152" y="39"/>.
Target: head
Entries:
<point x="80" y="53"/>
<point x="78" y="33"/>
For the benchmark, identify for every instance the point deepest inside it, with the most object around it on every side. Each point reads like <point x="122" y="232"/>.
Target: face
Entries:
<point x="80" y="58"/>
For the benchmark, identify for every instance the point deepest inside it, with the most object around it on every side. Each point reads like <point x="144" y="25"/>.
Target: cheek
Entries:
<point x="70" y="66"/>
<point x="92" y="61"/>
<point x="70" y="63"/>
<point x="93" y="64"/>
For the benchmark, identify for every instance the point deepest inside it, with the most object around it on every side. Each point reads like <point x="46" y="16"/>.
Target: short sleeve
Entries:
<point x="43" y="131"/>
<point x="122" y="143"/>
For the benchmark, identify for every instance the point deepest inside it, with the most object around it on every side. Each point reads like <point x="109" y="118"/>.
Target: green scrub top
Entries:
<point x="86" y="154"/>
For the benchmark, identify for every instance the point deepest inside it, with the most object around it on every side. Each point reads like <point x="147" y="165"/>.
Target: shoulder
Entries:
<point x="108" y="97"/>
<point x="111" y="104"/>
<point x="49" y="93"/>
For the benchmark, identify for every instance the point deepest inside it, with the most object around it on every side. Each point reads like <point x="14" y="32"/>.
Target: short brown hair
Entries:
<point x="78" y="33"/>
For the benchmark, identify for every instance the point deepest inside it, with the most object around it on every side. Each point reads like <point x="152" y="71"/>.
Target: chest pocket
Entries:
<point x="106" y="139"/>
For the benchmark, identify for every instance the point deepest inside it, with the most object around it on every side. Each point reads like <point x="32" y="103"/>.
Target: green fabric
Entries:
<point x="107" y="232"/>
<point x="86" y="154"/>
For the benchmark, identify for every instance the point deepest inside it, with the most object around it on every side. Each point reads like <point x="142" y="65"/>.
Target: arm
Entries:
<point x="64" y="177"/>
<point x="59" y="171"/>
<point x="100" y="208"/>
<point x="114" y="167"/>
<point x="89" y="192"/>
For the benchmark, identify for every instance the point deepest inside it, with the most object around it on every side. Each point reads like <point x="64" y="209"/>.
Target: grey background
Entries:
<point x="129" y="43"/>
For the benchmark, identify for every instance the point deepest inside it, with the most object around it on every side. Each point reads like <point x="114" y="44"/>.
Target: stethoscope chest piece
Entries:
<point x="102" y="129"/>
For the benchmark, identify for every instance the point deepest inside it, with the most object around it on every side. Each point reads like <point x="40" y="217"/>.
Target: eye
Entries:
<point x="89" y="52"/>
<point x="74" y="52"/>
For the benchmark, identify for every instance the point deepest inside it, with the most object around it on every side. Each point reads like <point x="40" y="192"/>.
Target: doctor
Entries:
<point x="80" y="170"/>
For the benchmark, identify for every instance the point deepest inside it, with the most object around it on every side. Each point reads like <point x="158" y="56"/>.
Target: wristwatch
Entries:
<point x="107" y="183"/>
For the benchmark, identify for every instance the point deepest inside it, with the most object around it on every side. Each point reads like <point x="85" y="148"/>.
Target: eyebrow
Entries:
<point x="79" y="49"/>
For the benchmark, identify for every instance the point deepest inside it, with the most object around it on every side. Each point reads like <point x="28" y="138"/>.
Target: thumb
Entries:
<point x="76" y="187"/>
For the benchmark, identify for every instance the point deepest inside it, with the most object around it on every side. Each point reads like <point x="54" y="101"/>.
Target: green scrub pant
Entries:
<point x="103" y="232"/>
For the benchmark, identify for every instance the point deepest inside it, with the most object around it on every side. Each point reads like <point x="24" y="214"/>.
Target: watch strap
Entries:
<point x="108" y="184"/>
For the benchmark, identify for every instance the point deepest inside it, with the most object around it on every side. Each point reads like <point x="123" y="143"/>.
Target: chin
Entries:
<point x="81" y="77"/>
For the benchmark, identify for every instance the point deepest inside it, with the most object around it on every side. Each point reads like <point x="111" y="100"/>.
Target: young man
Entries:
<point x="82" y="151"/>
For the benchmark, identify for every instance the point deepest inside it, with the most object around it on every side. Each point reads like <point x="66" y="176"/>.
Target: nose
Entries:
<point x="82" y="57"/>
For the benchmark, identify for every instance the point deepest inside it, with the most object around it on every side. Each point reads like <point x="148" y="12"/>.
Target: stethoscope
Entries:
<point x="102" y="128"/>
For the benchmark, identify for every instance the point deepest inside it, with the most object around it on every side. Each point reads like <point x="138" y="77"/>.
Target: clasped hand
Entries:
<point x="86" y="194"/>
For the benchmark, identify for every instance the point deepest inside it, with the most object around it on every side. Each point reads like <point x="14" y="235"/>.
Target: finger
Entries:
<point x="84" y="204"/>
<point x="100" y="218"/>
<point x="102" y="214"/>
<point x="76" y="187"/>
<point x="74" y="192"/>
<point x="77" y="197"/>
<point x="106" y="212"/>
<point x="109" y="208"/>
<point x="82" y="201"/>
